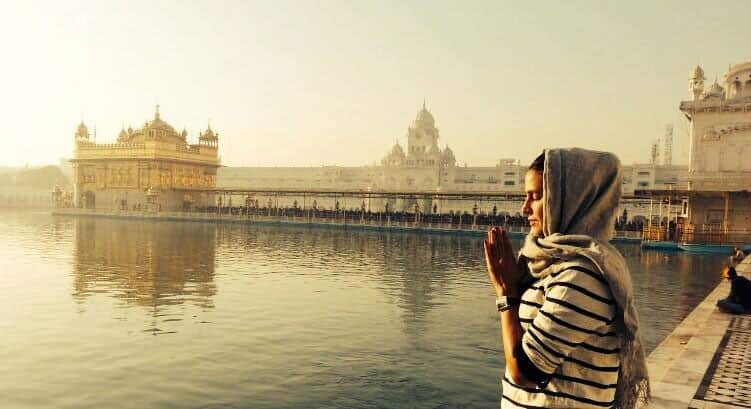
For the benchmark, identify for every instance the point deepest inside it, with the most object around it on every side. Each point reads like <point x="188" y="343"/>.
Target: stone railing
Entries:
<point x="105" y="146"/>
<point x="148" y="150"/>
<point x="713" y="234"/>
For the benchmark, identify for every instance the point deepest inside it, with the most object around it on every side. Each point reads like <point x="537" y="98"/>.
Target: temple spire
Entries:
<point x="156" y="113"/>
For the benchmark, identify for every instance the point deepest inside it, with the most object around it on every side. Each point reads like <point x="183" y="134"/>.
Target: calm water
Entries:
<point x="116" y="314"/>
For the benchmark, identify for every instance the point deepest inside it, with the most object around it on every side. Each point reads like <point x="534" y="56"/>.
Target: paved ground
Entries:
<point x="705" y="363"/>
<point x="727" y="382"/>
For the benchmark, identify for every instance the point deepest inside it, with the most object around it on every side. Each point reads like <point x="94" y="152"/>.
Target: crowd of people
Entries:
<point x="463" y="218"/>
<point x="432" y="216"/>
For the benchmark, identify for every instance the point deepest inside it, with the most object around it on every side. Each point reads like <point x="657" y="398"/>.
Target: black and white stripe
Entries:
<point x="569" y="334"/>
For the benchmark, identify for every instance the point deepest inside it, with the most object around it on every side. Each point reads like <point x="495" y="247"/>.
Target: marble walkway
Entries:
<point x="705" y="363"/>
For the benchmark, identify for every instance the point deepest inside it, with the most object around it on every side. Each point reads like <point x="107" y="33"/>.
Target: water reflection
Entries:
<point x="154" y="264"/>
<point x="146" y="264"/>
<point x="268" y="316"/>
<point x="162" y="264"/>
<point x="413" y="269"/>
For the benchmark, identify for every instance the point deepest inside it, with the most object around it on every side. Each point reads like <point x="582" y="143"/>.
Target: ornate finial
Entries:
<point x="423" y="104"/>
<point x="156" y="113"/>
<point x="209" y="124"/>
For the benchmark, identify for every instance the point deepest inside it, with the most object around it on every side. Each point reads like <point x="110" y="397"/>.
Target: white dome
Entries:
<point x="714" y="91"/>
<point x="698" y="73"/>
<point x="424" y="118"/>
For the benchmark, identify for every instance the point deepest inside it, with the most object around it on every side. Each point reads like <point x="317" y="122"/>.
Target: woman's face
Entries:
<point x="534" y="202"/>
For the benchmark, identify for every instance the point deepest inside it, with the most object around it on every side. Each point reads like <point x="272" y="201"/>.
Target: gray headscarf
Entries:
<point x="582" y="189"/>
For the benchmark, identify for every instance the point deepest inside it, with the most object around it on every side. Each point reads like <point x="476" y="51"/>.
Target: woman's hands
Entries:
<point x="501" y="264"/>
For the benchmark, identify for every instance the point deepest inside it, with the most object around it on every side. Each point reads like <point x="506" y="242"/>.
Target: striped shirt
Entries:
<point x="569" y="346"/>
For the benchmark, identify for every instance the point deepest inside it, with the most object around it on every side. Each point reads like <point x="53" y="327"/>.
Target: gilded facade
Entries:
<point x="153" y="167"/>
<point x="152" y="264"/>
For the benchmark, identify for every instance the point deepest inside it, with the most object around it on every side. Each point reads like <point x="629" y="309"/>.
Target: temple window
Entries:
<point x="736" y="88"/>
<point x="747" y="88"/>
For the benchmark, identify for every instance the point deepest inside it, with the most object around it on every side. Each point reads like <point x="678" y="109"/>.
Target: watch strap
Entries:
<point x="505" y="302"/>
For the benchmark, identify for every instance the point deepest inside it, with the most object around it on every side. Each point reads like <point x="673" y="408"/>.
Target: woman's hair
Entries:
<point x="729" y="272"/>
<point x="539" y="163"/>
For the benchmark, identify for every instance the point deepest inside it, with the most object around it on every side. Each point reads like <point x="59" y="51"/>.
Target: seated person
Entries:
<point x="739" y="300"/>
<point x="737" y="257"/>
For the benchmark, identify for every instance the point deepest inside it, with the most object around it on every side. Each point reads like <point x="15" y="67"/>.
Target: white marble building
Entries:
<point x="719" y="172"/>
<point x="423" y="166"/>
<point x="426" y="167"/>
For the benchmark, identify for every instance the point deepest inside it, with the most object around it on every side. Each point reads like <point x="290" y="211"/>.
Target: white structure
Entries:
<point x="719" y="172"/>
<point x="423" y="166"/>
<point x="642" y="176"/>
<point x="426" y="167"/>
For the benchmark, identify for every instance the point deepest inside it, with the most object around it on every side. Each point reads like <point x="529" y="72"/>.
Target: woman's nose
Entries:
<point x="525" y="208"/>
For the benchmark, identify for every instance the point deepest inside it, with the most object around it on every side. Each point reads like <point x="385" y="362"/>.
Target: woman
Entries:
<point x="568" y="322"/>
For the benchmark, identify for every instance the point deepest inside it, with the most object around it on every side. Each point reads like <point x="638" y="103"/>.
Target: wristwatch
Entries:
<point x="505" y="302"/>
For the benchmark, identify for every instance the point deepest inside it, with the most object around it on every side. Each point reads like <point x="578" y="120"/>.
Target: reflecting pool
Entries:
<point x="105" y="313"/>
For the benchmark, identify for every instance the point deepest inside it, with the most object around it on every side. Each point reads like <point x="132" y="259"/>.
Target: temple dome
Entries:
<point x="82" y="131"/>
<point x="715" y="90"/>
<point x="158" y="129"/>
<point x="448" y="152"/>
<point x="395" y="157"/>
<point x="424" y="117"/>
<point x="208" y="134"/>
<point x="698" y="73"/>
<point x="397" y="150"/>
<point x="158" y="124"/>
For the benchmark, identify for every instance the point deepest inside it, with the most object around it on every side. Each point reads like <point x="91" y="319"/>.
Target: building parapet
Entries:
<point x="717" y="181"/>
<point x="731" y="105"/>
<point x="148" y="150"/>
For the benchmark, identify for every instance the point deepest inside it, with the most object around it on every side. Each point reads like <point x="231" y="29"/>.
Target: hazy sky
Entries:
<point x="338" y="82"/>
